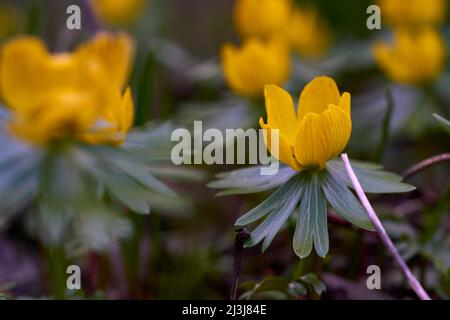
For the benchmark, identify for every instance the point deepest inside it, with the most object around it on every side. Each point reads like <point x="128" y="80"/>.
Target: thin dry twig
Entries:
<point x="422" y="165"/>
<point x="413" y="282"/>
<point x="241" y="236"/>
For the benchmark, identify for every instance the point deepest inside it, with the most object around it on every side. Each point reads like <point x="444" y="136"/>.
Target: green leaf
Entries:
<point x="53" y="222"/>
<point x="297" y="289"/>
<point x="271" y="295"/>
<point x="311" y="279"/>
<point x="344" y="202"/>
<point x="142" y="175"/>
<point x="179" y="173"/>
<point x="284" y="214"/>
<point x="18" y="175"/>
<point x="273" y="223"/>
<point x="261" y="210"/>
<point x="119" y="160"/>
<point x="126" y="179"/>
<point x="150" y="143"/>
<point x="122" y="187"/>
<point x="249" y="190"/>
<point x="98" y="226"/>
<point x="303" y="236"/>
<point x="127" y="191"/>
<point x="372" y="180"/>
<point x="321" y="241"/>
<point x="250" y="180"/>
<point x="269" y="204"/>
<point x="444" y="123"/>
<point x="364" y="164"/>
<point x="277" y="287"/>
<point x="248" y="285"/>
<point x="311" y="227"/>
<point x="277" y="283"/>
<point x="18" y="185"/>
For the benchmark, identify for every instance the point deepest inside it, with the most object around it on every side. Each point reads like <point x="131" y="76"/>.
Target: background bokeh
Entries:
<point x="188" y="252"/>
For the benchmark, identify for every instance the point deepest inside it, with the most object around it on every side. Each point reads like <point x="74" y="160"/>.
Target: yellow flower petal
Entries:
<point x="114" y="122"/>
<point x="231" y="67"/>
<point x="415" y="56"/>
<point x="108" y="57"/>
<point x="311" y="143"/>
<point x="319" y="132"/>
<point x="249" y="68"/>
<point x="118" y="12"/>
<point x="321" y="137"/>
<point x="308" y="34"/>
<point x="345" y="102"/>
<point x="27" y="72"/>
<point x="280" y="111"/>
<point x="47" y="122"/>
<point x="261" y="18"/>
<point x="126" y="111"/>
<point x="413" y="12"/>
<point x="339" y="128"/>
<point x="64" y="95"/>
<point x="285" y="148"/>
<point x="317" y="96"/>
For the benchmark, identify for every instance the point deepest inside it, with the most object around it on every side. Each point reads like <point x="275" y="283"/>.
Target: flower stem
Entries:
<point x="131" y="254"/>
<point x="386" y="125"/>
<point x="32" y="23"/>
<point x="156" y="250"/>
<point x="145" y="91"/>
<point x="57" y="272"/>
<point x="413" y="282"/>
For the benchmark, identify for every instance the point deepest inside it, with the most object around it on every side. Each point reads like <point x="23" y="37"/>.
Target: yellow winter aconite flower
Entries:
<point x="113" y="122"/>
<point x="249" y="68"/>
<point x="414" y="57"/>
<point x="68" y="95"/>
<point x="413" y="12"/>
<point x="261" y="18"/>
<point x="317" y="132"/>
<point x="308" y="34"/>
<point x="118" y="12"/>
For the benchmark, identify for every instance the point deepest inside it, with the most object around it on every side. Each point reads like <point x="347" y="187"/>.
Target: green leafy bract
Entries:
<point x="307" y="193"/>
<point x="444" y="123"/>
<point x="76" y="189"/>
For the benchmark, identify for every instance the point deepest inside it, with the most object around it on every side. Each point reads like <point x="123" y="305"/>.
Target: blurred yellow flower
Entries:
<point x="257" y="63"/>
<point x="115" y="121"/>
<point x="319" y="130"/>
<point x="118" y="12"/>
<point x="308" y="34"/>
<point x="413" y="12"/>
<point x="261" y="18"/>
<point x="414" y="57"/>
<point x="68" y="95"/>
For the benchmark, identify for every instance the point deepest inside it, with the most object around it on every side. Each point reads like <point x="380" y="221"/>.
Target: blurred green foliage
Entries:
<point x="183" y="249"/>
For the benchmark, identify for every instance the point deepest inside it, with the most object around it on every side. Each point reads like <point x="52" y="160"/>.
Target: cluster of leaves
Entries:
<point x="282" y="288"/>
<point x="80" y="189"/>
<point x="307" y="193"/>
